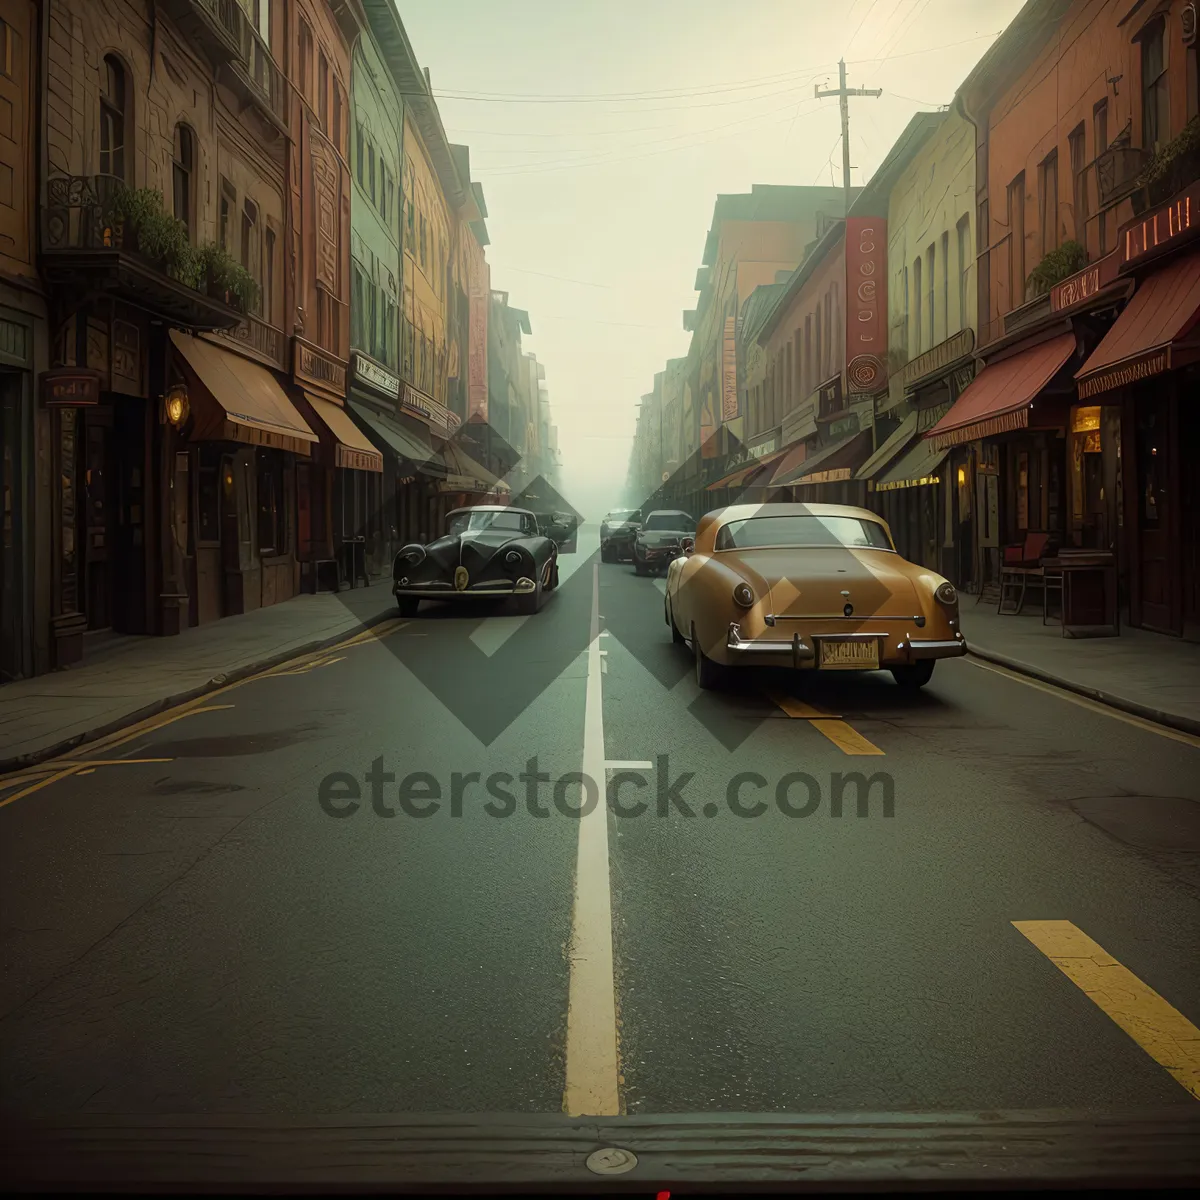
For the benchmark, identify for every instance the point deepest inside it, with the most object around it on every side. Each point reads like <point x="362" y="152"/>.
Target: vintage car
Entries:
<point x="657" y="542"/>
<point x="488" y="551"/>
<point x="811" y="586"/>
<point x="617" y="531"/>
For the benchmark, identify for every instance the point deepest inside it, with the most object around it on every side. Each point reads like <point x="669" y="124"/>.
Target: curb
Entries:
<point x="35" y="757"/>
<point x="1156" y="715"/>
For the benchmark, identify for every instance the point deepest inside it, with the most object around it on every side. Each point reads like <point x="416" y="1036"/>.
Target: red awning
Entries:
<point x="791" y="460"/>
<point x="760" y="474"/>
<point x="998" y="398"/>
<point x="1140" y="343"/>
<point x="733" y="479"/>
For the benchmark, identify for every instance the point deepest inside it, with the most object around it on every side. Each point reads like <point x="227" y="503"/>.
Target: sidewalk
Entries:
<point x="1146" y="674"/>
<point x="133" y="678"/>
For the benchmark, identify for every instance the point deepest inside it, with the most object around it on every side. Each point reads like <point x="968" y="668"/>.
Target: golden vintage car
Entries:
<point x="811" y="586"/>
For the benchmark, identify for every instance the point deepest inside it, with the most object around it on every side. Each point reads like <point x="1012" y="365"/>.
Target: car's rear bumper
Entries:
<point x="447" y="591"/>
<point x="803" y="651"/>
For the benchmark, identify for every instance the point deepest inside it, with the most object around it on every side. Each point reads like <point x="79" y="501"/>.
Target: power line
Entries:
<point x="861" y="24"/>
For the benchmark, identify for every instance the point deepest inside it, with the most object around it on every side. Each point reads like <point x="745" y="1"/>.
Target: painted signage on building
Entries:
<point x="729" y="396"/>
<point x="866" y="304"/>
<point x="936" y="360"/>
<point x="318" y="369"/>
<point x="1172" y="224"/>
<point x="70" y="387"/>
<point x="1086" y="283"/>
<point x="477" y="380"/>
<point x="370" y="372"/>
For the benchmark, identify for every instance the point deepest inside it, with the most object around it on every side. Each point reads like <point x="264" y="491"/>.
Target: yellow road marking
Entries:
<point x="844" y="736"/>
<point x="191" y="708"/>
<point x="1158" y="1027"/>
<point x="85" y="767"/>
<point x="1178" y="735"/>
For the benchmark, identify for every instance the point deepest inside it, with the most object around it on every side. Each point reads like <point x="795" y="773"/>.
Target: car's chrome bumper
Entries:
<point x="447" y="591"/>
<point x="803" y="650"/>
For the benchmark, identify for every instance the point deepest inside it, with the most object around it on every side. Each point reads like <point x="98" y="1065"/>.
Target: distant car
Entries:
<point x="658" y="540"/>
<point x="811" y="586"/>
<point x="487" y="550"/>
<point x="617" y="531"/>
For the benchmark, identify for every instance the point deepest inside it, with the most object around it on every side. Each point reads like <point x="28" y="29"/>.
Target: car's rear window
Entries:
<point x="802" y="531"/>
<point x="675" y="522"/>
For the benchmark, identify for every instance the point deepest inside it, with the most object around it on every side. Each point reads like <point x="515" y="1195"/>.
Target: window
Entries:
<point x="918" y="301"/>
<point x="902" y="292"/>
<point x="323" y="92"/>
<point x="182" y="167"/>
<point x="359" y="153"/>
<point x="228" y="204"/>
<point x="424" y="239"/>
<point x="1156" y="125"/>
<point x="802" y="531"/>
<point x="306" y="50"/>
<point x="788" y="386"/>
<point x="818" y="345"/>
<point x="1077" y="142"/>
<point x="272" y="530"/>
<point x="208" y="494"/>
<point x="964" y="269"/>
<point x="1100" y="125"/>
<point x="945" y="285"/>
<point x="371" y="171"/>
<point x="268" y="305"/>
<point x="797" y="366"/>
<point x="808" y="367"/>
<point x="1016" y="241"/>
<point x="930" y="282"/>
<point x="335" y="124"/>
<point x="1048" y="216"/>
<point x="249" y="243"/>
<point x="983" y="281"/>
<point x="112" y="119"/>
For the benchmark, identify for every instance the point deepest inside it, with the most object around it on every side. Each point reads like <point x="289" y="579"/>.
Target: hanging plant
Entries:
<point x="226" y="278"/>
<point x="1058" y="265"/>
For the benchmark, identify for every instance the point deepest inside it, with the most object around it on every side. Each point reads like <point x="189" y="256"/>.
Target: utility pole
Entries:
<point x="843" y="93"/>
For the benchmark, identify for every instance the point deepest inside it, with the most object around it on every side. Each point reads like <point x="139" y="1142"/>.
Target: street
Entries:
<point x="201" y="917"/>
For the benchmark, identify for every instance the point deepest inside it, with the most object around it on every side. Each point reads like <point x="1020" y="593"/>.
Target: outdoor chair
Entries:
<point x="1020" y="569"/>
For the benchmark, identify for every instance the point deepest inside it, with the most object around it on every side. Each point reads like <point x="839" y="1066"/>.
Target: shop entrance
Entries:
<point x="1153" y="510"/>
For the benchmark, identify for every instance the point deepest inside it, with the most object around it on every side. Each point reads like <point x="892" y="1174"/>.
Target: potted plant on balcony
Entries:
<point x="1176" y="165"/>
<point x="1057" y="265"/>
<point x="226" y="279"/>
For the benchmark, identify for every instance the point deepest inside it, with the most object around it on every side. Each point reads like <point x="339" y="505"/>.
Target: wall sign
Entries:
<point x="367" y="371"/>
<point x="1170" y="225"/>
<point x="319" y="369"/>
<point x="866" y="303"/>
<point x="937" y="359"/>
<point x="729" y="395"/>
<point x="70" y="387"/>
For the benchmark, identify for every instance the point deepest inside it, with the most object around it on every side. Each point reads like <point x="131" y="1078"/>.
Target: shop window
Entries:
<point x="113" y="102"/>
<point x="1156" y="125"/>
<point x="272" y="513"/>
<point x="183" y="166"/>
<point x="208" y="495"/>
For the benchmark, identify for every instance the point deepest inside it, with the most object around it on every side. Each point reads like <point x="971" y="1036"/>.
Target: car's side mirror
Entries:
<point x="687" y="545"/>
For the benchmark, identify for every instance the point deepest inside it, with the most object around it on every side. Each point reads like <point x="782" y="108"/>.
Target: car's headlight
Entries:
<point x="743" y="594"/>
<point x="946" y="594"/>
<point x="514" y="558"/>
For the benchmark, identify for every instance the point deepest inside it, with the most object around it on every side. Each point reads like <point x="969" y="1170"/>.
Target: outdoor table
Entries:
<point x="1089" y="592"/>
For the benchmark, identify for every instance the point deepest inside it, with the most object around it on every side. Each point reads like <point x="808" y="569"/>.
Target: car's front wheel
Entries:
<point x="915" y="676"/>
<point x="708" y="673"/>
<point x="408" y="605"/>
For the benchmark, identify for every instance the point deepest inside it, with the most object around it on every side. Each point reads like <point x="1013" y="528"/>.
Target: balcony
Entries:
<point x="256" y="339"/>
<point x="256" y="78"/>
<point x="1117" y="171"/>
<point x="89" y="254"/>
<point x="215" y="26"/>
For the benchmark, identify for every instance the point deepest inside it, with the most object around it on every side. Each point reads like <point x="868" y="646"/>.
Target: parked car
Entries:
<point x="658" y="540"/>
<point x="488" y="550"/>
<point x="811" y="586"/>
<point x="617" y="531"/>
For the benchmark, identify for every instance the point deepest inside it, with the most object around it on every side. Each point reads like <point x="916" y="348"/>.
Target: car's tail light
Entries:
<point x="743" y="594"/>
<point x="946" y="594"/>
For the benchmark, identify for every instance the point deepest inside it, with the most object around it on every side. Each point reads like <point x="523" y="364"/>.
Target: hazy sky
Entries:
<point x="599" y="206"/>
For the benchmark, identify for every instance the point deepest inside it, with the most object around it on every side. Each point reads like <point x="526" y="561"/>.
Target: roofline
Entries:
<point x="920" y="128"/>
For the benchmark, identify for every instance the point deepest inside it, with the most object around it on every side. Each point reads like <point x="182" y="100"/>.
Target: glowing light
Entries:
<point x="962" y="476"/>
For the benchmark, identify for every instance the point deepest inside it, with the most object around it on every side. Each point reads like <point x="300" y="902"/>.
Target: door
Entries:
<point x="964" y="536"/>
<point x="1153" y="513"/>
<point x="96" y="518"/>
<point x="128" y="503"/>
<point x="1189" y="511"/>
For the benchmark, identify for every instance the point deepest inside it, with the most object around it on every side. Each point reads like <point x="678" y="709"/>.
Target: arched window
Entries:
<point x="112" y="118"/>
<point x="183" y="168"/>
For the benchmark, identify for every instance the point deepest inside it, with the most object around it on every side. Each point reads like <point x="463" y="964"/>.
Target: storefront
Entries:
<point x="241" y="446"/>
<point x="1147" y="368"/>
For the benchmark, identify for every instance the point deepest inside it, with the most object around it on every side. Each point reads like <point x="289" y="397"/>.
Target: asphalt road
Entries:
<point x="188" y="928"/>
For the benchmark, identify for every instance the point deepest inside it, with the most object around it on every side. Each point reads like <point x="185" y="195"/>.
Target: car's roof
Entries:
<point x="738" y="512"/>
<point x="668" y="512"/>
<point x="489" y="508"/>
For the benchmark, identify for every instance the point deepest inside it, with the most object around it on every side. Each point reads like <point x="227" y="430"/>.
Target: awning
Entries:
<point x="760" y="474"/>
<point x="892" y="447"/>
<point x="352" y="448"/>
<point x="239" y="401"/>
<point x="1142" y="340"/>
<point x="833" y="464"/>
<point x="792" y="459"/>
<point x="411" y="448"/>
<point x="734" y="478"/>
<point x="997" y="400"/>
<point x="919" y="466"/>
<point x="466" y="475"/>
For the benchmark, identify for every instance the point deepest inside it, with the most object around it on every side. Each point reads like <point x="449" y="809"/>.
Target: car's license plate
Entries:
<point x="853" y="656"/>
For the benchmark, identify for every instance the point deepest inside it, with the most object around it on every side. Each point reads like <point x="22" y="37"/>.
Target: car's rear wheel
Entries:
<point x="639" y="567"/>
<point x="606" y="555"/>
<point x="676" y="636"/>
<point x="915" y="676"/>
<point x="408" y="605"/>
<point x="708" y="673"/>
